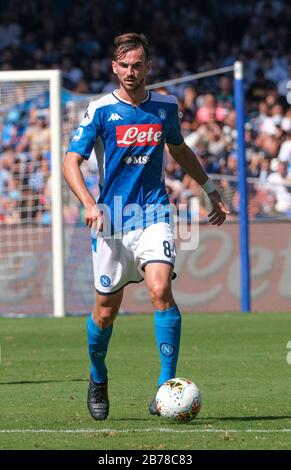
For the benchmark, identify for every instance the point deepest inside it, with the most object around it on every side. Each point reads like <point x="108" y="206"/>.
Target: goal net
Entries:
<point x="30" y="219"/>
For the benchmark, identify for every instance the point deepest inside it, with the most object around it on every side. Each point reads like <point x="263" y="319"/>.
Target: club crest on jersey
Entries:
<point x="139" y="135"/>
<point x="114" y="117"/>
<point x="162" y="113"/>
<point x="136" y="159"/>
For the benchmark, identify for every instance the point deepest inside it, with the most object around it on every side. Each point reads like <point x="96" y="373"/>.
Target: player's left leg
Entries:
<point x="99" y="330"/>
<point x="167" y="320"/>
<point x="167" y="317"/>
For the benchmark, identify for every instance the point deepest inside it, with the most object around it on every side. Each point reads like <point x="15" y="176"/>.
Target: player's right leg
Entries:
<point x="114" y="267"/>
<point x="167" y="320"/>
<point x="157" y="256"/>
<point x="99" y="330"/>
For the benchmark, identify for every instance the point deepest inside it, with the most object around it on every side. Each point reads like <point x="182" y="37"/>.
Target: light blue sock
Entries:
<point x="168" y="331"/>
<point x="98" y="340"/>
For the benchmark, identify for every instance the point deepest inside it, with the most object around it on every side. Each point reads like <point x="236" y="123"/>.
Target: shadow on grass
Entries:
<point x="37" y="382"/>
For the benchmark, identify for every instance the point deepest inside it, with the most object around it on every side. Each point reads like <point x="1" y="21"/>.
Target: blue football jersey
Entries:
<point x="128" y="141"/>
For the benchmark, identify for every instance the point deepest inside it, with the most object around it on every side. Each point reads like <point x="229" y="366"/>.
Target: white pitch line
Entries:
<point x="119" y="431"/>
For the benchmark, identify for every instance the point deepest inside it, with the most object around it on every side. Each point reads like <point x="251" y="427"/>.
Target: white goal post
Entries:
<point x="53" y="78"/>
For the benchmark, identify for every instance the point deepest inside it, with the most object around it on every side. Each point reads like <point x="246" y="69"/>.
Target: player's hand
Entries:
<point x="94" y="217"/>
<point x="219" y="212"/>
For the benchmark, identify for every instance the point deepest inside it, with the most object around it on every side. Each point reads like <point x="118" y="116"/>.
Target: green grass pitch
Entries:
<point x="238" y="361"/>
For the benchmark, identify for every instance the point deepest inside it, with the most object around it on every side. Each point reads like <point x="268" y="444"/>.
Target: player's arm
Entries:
<point x="191" y="165"/>
<point x="75" y="179"/>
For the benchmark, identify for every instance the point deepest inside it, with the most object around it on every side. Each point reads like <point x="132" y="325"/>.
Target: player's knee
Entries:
<point x="160" y="292"/>
<point x="103" y="318"/>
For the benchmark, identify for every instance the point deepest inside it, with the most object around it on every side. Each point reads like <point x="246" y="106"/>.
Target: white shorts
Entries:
<point x="118" y="262"/>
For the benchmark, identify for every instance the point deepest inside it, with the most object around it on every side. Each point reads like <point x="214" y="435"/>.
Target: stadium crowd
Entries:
<point x="74" y="37"/>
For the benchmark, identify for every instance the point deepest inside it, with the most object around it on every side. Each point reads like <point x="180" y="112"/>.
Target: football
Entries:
<point x="178" y="399"/>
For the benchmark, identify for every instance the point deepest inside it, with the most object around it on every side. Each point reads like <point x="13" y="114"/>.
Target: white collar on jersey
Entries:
<point x="116" y="94"/>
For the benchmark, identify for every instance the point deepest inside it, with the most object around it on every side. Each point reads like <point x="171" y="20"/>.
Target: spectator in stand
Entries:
<point x="285" y="149"/>
<point x="38" y="174"/>
<point x="265" y="169"/>
<point x="71" y="73"/>
<point x="13" y="202"/>
<point x="224" y="97"/>
<point x="8" y="132"/>
<point x="29" y="206"/>
<point x="269" y="137"/>
<point x="274" y="72"/>
<point x="10" y="31"/>
<point x="97" y="79"/>
<point x="259" y="88"/>
<point x="265" y="197"/>
<point x="286" y="122"/>
<point x="277" y="185"/>
<point x="208" y="109"/>
<point x="229" y="185"/>
<point x="4" y="177"/>
<point x="36" y="137"/>
<point x="189" y="102"/>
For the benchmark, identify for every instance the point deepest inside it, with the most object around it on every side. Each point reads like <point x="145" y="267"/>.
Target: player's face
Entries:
<point x="131" y="69"/>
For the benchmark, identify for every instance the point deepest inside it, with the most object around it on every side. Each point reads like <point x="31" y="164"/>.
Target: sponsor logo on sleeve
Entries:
<point x="78" y="134"/>
<point x="86" y="120"/>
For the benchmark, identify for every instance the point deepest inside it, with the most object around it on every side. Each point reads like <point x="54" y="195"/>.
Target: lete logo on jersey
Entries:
<point x="139" y="135"/>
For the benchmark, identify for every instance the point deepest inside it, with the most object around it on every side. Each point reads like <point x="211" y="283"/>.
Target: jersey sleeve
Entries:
<point x="86" y="134"/>
<point x="174" y="135"/>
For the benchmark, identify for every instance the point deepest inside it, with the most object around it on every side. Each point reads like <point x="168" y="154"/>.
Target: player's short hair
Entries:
<point x="129" y="41"/>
